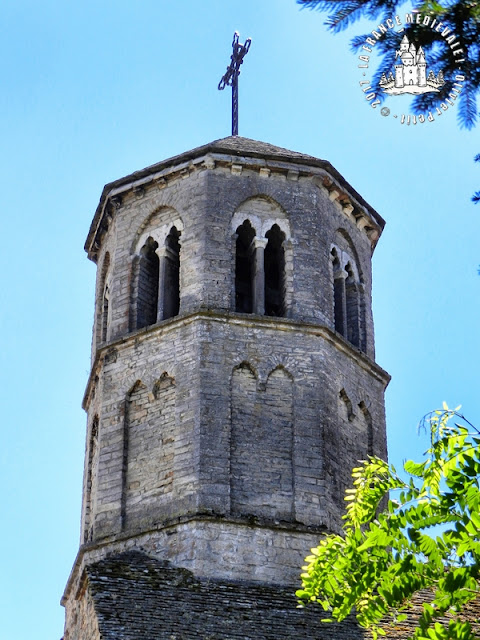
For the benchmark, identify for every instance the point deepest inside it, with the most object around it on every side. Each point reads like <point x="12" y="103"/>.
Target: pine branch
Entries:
<point x="467" y="108"/>
<point x="343" y="13"/>
<point x="463" y="18"/>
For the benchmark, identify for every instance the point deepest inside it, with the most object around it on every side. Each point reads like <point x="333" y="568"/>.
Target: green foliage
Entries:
<point x="463" y="18"/>
<point x="401" y="536"/>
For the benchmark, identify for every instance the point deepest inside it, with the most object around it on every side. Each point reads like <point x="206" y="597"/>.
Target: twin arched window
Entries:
<point x="260" y="281"/>
<point x="260" y="271"/>
<point x="156" y="281"/>
<point x="348" y="300"/>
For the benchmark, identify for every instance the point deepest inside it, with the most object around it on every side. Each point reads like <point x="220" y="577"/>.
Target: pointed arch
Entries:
<point x="338" y="283"/>
<point x="280" y="368"/>
<point x="263" y="262"/>
<point x="263" y="212"/>
<point x="144" y="301"/>
<point x="245" y="366"/>
<point x="261" y="449"/>
<point x="243" y="432"/>
<point x="274" y="264"/>
<point x="352" y="304"/>
<point x="244" y="267"/>
<point x="275" y="472"/>
<point x="164" y="382"/>
<point x="169" y="304"/>
<point x="348" y="291"/>
<point x="348" y="408"/>
<point x="157" y="225"/>
<point x="149" y="450"/>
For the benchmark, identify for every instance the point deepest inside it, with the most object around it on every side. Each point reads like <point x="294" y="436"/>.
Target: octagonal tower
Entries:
<point x="233" y="383"/>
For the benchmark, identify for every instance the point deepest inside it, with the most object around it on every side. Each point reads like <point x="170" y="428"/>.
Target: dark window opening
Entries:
<point x="338" y="295"/>
<point x="104" y="296"/>
<point x="274" y="262"/>
<point x="353" y="312"/>
<point x="362" y="320"/>
<point x="147" y="293"/>
<point x="105" y="315"/>
<point x="348" y="302"/>
<point x="171" y="284"/>
<point x="338" y="285"/>
<point x="244" y="271"/>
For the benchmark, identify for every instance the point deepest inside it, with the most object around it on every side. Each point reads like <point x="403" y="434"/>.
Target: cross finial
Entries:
<point x="231" y="75"/>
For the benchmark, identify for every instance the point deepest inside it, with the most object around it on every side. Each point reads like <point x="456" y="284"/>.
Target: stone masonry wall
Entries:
<point x="231" y="415"/>
<point x="311" y="368"/>
<point x="81" y="622"/>
<point x="255" y="423"/>
<point x="150" y="432"/>
<point x="261" y="445"/>
<point x="221" y="441"/>
<point x="148" y="409"/>
<point x="208" y="205"/>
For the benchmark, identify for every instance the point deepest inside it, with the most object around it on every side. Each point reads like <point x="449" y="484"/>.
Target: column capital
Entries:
<point x="340" y="273"/>
<point x="161" y="251"/>
<point x="259" y="243"/>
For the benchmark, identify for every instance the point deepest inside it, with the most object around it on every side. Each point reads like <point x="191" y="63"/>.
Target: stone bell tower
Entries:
<point x="233" y="383"/>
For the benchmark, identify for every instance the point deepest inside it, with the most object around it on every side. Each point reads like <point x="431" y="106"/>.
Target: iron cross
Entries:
<point x="231" y="76"/>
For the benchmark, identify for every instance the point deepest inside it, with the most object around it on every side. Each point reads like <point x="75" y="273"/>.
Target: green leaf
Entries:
<point x="384" y="557"/>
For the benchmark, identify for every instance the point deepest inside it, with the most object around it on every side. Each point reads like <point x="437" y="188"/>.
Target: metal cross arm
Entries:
<point x="230" y="77"/>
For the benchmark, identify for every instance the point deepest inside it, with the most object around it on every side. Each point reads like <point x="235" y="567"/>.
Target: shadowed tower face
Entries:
<point x="233" y="383"/>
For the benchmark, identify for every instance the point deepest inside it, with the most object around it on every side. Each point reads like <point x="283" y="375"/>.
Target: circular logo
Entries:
<point x="410" y="74"/>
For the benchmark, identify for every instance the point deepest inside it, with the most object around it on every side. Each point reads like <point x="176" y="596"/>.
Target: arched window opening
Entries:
<point x="261" y="471"/>
<point x="149" y="451"/>
<point x="339" y="310"/>
<point x="103" y="302"/>
<point x="171" y="276"/>
<point x="147" y="290"/>
<point x="106" y="297"/>
<point x="362" y="318"/>
<point x="349" y="295"/>
<point x="347" y="405"/>
<point x="352" y="307"/>
<point x="274" y="262"/>
<point x="244" y="268"/>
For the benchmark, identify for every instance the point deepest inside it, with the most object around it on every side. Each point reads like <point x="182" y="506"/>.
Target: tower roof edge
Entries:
<point x="233" y="146"/>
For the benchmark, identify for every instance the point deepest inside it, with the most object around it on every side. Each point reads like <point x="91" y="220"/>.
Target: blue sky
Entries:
<point x="92" y="91"/>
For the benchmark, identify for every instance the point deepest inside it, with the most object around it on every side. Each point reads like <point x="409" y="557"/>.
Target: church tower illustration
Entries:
<point x="233" y="387"/>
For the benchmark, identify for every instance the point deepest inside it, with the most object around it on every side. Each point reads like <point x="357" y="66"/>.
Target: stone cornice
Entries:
<point x="115" y="543"/>
<point x="237" y="154"/>
<point x="109" y="350"/>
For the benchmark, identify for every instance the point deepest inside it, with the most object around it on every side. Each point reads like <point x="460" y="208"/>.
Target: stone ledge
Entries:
<point x="109" y="351"/>
<point x="91" y="552"/>
<point x="234" y="151"/>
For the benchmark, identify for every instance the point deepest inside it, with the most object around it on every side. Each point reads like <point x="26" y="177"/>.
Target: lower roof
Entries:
<point x="137" y="597"/>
